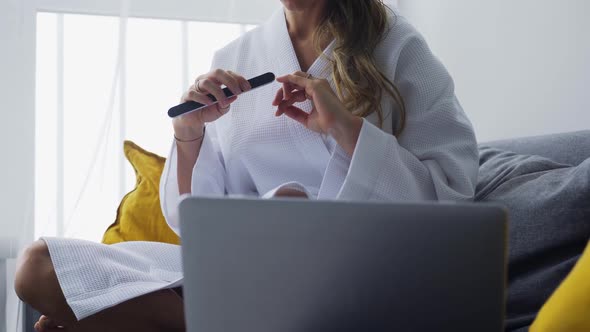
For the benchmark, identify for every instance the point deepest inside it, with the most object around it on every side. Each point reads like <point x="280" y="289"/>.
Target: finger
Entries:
<point x="298" y="81"/>
<point x="297" y="114"/>
<point x="53" y="329"/>
<point x="208" y="86"/>
<point x="278" y="97"/>
<point x="244" y="84"/>
<point x="297" y="97"/>
<point x="299" y="73"/>
<point x="225" y="103"/>
<point x="198" y="97"/>
<point x="290" y="88"/>
<point x="287" y="88"/>
<point x="228" y="80"/>
<point x="46" y="324"/>
<point x="224" y="107"/>
<point x="302" y="74"/>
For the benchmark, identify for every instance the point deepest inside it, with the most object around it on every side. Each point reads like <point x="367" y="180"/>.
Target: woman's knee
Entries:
<point x="34" y="267"/>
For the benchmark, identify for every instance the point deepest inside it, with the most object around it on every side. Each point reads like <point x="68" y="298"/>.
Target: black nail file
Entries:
<point x="191" y="106"/>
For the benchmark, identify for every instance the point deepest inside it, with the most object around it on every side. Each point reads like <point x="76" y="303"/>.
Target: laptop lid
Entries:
<point x="256" y="265"/>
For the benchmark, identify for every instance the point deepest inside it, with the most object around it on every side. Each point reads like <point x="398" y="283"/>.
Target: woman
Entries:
<point x="371" y="117"/>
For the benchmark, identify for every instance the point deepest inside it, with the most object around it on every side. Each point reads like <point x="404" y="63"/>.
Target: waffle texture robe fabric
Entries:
<point x="251" y="152"/>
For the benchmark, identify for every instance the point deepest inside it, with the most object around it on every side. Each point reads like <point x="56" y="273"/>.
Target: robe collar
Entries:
<point x="283" y="54"/>
<point x="312" y="146"/>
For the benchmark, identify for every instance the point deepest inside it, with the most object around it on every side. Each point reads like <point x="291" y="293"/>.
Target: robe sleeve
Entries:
<point x="208" y="177"/>
<point x="435" y="158"/>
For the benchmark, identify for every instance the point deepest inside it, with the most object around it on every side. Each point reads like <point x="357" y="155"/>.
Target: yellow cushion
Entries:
<point x="139" y="216"/>
<point x="568" y="308"/>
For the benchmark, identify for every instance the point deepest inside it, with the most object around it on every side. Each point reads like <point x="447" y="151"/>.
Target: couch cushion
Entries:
<point x="568" y="308"/>
<point x="569" y="148"/>
<point x="139" y="216"/>
<point x="549" y="223"/>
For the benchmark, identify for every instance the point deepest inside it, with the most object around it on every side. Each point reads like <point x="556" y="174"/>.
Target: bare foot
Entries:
<point x="46" y="324"/>
<point x="290" y="192"/>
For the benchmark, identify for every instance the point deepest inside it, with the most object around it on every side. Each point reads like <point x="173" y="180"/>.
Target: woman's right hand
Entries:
<point x="190" y="125"/>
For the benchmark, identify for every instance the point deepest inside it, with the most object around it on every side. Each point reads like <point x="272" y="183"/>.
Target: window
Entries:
<point x="89" y="101"/>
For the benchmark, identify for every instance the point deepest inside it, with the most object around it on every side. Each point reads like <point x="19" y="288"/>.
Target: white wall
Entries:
<point x="17" y="128"/>
<point x="521" y="67"/>
<point x="17" y="124"/>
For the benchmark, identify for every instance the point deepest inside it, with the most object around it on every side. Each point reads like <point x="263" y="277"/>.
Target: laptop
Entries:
<point x="290" y="265"/>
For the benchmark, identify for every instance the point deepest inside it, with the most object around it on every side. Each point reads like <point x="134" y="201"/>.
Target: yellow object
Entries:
<point x="568" y="308"/>
<point x="139" y="216"/>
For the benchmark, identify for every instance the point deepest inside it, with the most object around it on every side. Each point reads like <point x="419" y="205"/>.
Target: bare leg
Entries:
<point x="36" y="284"/>
<point x="159" y="311"/>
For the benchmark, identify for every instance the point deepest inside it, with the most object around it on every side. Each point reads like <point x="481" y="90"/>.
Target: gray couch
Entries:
<point x="544" y="182"/>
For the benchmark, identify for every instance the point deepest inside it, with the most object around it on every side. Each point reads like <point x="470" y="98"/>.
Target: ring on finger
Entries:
<point x="197" y="87"/>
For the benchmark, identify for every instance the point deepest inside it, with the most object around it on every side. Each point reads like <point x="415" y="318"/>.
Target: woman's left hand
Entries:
<point x="328" y="115"/>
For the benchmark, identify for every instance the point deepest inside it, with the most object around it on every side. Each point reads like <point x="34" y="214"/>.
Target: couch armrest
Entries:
<point x="566" y="148"/>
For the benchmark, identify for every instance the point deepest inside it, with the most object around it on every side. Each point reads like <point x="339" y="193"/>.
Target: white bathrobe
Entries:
<point x="251" y="152"/>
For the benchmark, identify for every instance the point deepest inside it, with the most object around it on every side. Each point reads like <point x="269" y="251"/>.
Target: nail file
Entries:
<point x="191" y="106"/>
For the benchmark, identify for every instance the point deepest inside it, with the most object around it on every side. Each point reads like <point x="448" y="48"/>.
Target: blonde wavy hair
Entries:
<point x="358" y="26"/>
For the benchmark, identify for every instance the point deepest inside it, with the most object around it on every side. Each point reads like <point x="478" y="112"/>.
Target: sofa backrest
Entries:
<point x="566" y="148"/>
